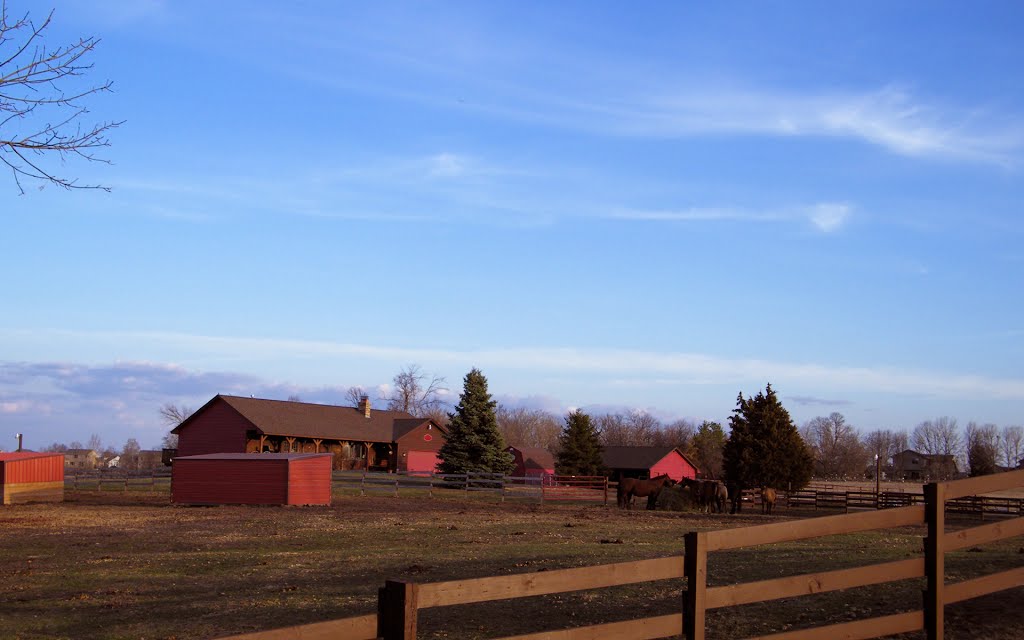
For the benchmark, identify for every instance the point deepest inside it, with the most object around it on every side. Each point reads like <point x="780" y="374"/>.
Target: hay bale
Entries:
<point x="675" y="498"/>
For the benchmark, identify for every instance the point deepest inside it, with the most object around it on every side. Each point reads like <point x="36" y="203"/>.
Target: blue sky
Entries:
<point x="599" y="205"/>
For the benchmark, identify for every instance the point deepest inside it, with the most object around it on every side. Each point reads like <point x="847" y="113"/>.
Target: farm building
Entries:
<point x="648" y="462"/>
<point x="81" y="459"/>
<point x="239" y="478"/>
<point x="358" y="437"/>
<point x="911" y="465"/>
<point x="532" y="462"/>
<point x="27" y="476"/>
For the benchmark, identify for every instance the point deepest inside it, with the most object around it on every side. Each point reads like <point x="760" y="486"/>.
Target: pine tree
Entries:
<point x="474" y="443"/>
<point x="579" y="447"/>
<point x="764" y="448"/>
<point x="706" y="448"/>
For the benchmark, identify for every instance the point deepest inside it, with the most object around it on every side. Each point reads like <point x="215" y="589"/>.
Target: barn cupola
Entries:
<point x="364" y="406"/>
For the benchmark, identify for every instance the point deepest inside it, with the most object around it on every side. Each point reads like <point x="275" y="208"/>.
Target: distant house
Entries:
<point x="912" y="465"/>
<point x="532" y="462"/>
<point x="78" y="459"/>
<point x="648" y="462"/>
<point x="110" y="462"/>
<point x="151" y="458"/>
<point x="358" y="437"/>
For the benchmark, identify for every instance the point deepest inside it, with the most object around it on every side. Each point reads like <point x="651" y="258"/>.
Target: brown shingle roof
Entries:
<point x="536" y="457"/>
<point x="308" y="420"/>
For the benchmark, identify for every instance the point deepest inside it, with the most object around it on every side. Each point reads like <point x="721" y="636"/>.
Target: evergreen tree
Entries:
<point x="474" y="443"/>
<point x="579" y="447"/>
<point x="764" y="448"/>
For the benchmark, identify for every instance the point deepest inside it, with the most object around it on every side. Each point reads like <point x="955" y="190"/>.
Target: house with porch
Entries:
<point x="358" y="437"/>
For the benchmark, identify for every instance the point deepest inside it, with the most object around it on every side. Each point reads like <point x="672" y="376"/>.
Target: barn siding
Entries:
<point x="413" y="441"/>
<point x="218" y="429"/>
<point x="252" y="479"/>
<point x="675" y="466"/>
<point x="309" y="480"/>
<point x="31" y="477"/>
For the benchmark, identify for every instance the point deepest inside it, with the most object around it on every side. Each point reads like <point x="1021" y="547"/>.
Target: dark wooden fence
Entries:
<point x="399" y="602"/>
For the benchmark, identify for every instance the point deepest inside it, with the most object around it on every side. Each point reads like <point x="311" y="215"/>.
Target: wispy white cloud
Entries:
<point x="607" y="364"/>
<point x="826" y="217"/>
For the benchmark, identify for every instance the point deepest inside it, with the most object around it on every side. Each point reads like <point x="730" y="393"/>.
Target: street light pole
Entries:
<point x="877" y="480"/>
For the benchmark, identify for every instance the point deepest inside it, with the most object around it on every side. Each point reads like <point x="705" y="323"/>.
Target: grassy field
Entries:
<point x="129" y="565"/>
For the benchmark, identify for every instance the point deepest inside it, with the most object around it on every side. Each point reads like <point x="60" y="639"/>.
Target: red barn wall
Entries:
<point x="252" y="479"/>
<point x="31" y="477"/>
<point x="416" y="440"/>
<point x="675" y="466"/>
<point x="309" y="480"/>
<point x="218" y="429"/>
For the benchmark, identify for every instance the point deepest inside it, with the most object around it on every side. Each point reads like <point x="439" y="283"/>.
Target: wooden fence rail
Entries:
<point x="399" y="602"/>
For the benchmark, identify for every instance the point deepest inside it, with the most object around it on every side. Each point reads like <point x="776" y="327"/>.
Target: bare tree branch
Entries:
<point x="40" y="94"/>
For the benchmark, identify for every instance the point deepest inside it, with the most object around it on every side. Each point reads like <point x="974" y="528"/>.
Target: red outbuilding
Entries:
<point x="532" y="462"/>
<point x="648" y="462"/>
<point x="242" y="478"/>
<point x="27" y="476"/>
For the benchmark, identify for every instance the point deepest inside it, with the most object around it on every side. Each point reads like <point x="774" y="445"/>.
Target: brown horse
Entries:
<point x="710" y="495"/>
<point x="629" y="487"/>
<point x="768" y="497"/>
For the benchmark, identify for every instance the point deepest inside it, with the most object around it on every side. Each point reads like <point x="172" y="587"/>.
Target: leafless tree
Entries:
<point x="95" y="443"/>
<point x="354" y="395"/>
<point x="529" y="427"/>
<point x="172" y="415"/>
<point x="130" y="455"/>
<point x="983" y="445"/>
<point x="675" y="434"/>
<point x="41" y="95"/>
<point x="635" y="429"/>
<point x="938" y="437"/>
<point x="417" y="392"/>
<point x="294" y="398"/>
<point x="838" y="451"/>
<point x="1013" y="438"/>
<point x="885" y="443"/>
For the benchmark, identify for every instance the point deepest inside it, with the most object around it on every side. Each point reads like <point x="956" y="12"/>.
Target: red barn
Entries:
<point x="532" y="462"/>
<point x="239" y="478"/>
<point x="358" y="437"/>
<point x="27" y="476"/>
<point x="648" y="462"/>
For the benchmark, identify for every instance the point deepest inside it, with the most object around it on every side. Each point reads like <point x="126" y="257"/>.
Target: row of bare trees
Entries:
<point x="840" y="450"/>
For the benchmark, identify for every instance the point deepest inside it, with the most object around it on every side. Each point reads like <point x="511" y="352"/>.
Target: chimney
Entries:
<point x="364" y="405"/>
<point x="19" y="442"/>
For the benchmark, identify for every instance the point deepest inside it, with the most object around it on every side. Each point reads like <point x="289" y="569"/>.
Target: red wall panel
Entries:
<point x="257" y="478"/>
<point x="16" y="468"/>
<point x="309" y="480"/>
<point x="218" y="429"/>
<point x="675" y="466"/>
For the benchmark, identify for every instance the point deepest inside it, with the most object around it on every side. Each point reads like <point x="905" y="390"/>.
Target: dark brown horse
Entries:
<point x="629" y="487"/>
<point x="710" y="495"/>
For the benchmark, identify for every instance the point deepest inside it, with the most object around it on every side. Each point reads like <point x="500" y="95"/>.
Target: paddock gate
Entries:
<point x="399" y="602"/>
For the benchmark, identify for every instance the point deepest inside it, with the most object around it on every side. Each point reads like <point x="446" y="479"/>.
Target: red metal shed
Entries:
<point x="27" y="476"/>
<point x="252" y="478"/>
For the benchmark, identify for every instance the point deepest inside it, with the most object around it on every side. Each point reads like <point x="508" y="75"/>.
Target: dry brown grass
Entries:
<point x="109" y="565"/>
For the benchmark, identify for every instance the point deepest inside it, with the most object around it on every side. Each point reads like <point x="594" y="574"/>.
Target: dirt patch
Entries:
<point x="112" y="565"/>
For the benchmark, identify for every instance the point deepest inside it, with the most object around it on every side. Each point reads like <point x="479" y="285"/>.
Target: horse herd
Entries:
<point x="710" y="496"/>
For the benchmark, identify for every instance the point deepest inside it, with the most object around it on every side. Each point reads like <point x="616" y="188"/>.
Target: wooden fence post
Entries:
<point x="934" y="559"/>
<point x="695" y="567"/>
<point x="396" y="610"/>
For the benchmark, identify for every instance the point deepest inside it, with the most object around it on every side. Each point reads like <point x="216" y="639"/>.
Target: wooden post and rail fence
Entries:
<point x="399" y="602"/>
